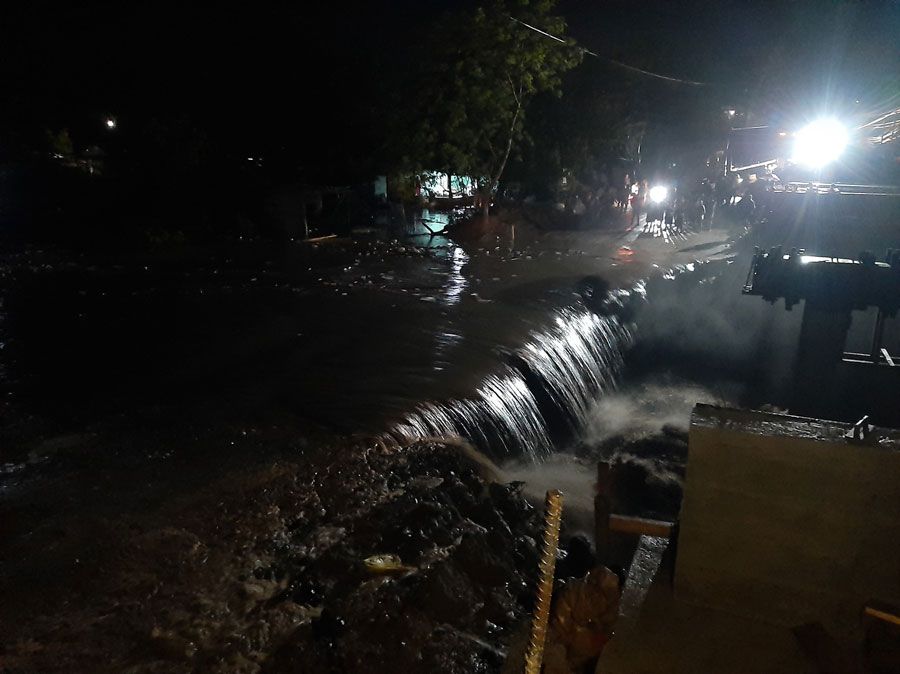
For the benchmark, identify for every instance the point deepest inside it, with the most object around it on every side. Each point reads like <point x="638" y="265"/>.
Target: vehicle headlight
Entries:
<point x="658" y="194"/>
<point x="820" y="143"/>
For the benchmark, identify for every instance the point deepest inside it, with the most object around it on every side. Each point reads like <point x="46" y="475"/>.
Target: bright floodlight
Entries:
<point x="820" y="143"/>
<point x="110" y="123"/>
<point x="658" y="194"/>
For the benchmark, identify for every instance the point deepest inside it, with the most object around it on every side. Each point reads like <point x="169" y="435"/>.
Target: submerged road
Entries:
<point x="347" y="334"/>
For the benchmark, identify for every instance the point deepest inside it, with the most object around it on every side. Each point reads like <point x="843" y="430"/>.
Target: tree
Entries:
<point x="61" y="143"/>
<point x="482" y="70"/>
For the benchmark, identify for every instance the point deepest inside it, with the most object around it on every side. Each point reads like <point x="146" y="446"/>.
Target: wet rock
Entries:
<point x="268" y="574"/>
<point x="329" y="626"/>
<point x="306" y="591"/>
<point x="452" y="651"/>
<point x="425" y="483"/>
<point x="642" y="488"/>
<point x="510" y="502"/>
<point x="449" y="594"/>
<point x="579" y="559"/>
<point x="475" y="557"/>
<point x="527" y="555"/>
<point x="487" y="516"/>
<point x="648" y="471"/>
<point x="171" y="646"/>
<point x="321" y="540"/>
<point x="461" y="496"/>
<point x="675" y="433"/>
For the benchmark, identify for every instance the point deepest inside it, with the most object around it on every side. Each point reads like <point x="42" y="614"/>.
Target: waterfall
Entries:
<point x="556" y="375"/>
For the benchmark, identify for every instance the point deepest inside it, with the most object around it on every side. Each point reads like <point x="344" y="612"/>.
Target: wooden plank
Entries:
<point x="602" y="512"/>
<point x="881" y="623"/>
<point x="882" y="615"/>
<point x="318" y="239"/>
<point x="640" y="526"/>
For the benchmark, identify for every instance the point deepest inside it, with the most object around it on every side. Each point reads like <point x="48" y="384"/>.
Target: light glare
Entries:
<point x="820" y="143"/>
<point x="658" y="194"/>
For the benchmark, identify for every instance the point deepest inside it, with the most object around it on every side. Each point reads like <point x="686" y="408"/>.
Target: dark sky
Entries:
<point x="260" y="72"/>
<point x="784" y="54"/>
<point x="141" y="57"/>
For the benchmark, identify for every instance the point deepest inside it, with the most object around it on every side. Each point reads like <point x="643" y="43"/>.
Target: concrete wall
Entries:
<point x="784" y="520"/>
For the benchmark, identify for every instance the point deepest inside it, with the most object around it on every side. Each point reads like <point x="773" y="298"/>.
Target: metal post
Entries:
<point x="877" y="337"/>
<point x="823" y="333"/>
<point x="602" y="512"/>
<point x="534" y="656"/>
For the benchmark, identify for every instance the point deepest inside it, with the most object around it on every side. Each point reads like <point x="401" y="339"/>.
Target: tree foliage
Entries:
<point x="60" y="142"/>
<point x="482" y="70"/>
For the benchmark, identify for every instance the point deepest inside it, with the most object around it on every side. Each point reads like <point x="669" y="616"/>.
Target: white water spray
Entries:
<point x="574" y="362"/>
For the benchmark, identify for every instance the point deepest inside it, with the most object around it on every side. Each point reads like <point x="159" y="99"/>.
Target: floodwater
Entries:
<point x="133" y="386"/>
<point x="364" y="335"/>
<point x="499" y="333"/>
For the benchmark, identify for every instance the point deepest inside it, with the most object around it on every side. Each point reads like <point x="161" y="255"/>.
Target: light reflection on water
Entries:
<point x="352" y="335"/>
<point x="456" y="282"/>
<point x="427" y="227"/>
<point x="446" y="334"/>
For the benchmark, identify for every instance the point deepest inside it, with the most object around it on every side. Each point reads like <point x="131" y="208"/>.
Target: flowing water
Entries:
<point x="559" y="372"/>
<point x="132" y="381"/>
<point x="486" y="337"/>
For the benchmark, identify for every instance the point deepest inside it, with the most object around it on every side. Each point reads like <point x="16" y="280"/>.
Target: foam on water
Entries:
<point x="559" y="372"/>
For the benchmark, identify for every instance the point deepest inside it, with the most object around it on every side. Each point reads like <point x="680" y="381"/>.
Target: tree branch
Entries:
<point x="516" y="96"/>
<point x="495" y="179"/>
<point x="490" y="147"/>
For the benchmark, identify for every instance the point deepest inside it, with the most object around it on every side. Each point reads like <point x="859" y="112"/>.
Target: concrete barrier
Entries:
<point x="787" y="521"/>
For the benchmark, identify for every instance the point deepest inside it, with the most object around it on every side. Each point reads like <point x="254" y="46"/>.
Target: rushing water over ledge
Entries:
<point x="547" y="386"/>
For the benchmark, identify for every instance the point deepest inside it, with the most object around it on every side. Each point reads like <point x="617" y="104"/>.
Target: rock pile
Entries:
<point x="358" y="559"/>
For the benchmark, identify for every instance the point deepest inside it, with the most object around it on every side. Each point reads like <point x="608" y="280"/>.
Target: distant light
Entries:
<point x="730" y="112"/>
<point x="110" y="123"/>
<point x="820" y="143"/>
<point x="658" y="194"/>
<point x="782" y="133"/>
<point x="249" y="158"/>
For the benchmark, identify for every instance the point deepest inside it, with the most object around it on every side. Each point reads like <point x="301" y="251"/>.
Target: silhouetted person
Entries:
<point x="624" y="193"/>
<point x="637" y="203"/>
<point x="699" y="214"/>
<point x="747" y="208"/>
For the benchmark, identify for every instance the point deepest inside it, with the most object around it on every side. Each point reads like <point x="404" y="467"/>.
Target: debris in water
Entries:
<point x="386" y="564"/>
<point x="583" y="616"/>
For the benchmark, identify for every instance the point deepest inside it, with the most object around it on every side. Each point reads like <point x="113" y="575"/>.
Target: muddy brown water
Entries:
<point x="130" y="383"/>
<point x="349" y="335"/>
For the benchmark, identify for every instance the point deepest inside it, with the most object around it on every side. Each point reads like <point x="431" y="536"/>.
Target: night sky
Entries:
<point x="266" y="77"/>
